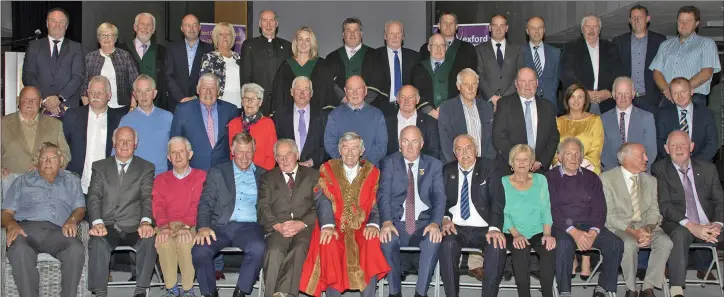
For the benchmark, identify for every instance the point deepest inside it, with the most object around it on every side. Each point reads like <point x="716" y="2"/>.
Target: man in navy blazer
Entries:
<point x="643" y="129"/>
<point x="698" y="122"/>
<point x="55" y="65"/>
<point x="411" y="201"/>
<point x="630" y="47"/>
<point x="548" y="58"/>
<point x="181" y="70"/>
<point x="407" y="115"/>
<point x="194" y="118"/>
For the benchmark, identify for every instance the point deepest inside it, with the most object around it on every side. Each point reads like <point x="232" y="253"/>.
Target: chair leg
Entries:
<point x="719" y="274"/>
<point x="437" y="279"/>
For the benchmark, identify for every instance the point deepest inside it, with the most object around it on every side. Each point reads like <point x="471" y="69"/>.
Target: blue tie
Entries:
<point x="529" y="124"/>
<point x="464" y="198"/>
<point x="499" y="56"/>
<point x="398" y="73"/>
<point x="437" y="65"/>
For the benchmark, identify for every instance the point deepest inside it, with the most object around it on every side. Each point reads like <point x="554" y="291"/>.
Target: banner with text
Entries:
<point x="207" y="28"/>
<point x="473" y="33"/>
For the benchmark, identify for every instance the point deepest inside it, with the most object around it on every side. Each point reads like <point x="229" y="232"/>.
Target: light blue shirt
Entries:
<point x="432" y="63"/>
<point x="246" y="195"/>
<point x="191" y="52"/>
<point x="419" y="205"/>
<point x="33" y="198"/>
<point x="689" y="119"/>
<point x="676" y="59"/>
<point x="214" y="115"/>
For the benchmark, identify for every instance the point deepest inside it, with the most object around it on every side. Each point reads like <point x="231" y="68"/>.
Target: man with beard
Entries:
<point x="148" y="54"/>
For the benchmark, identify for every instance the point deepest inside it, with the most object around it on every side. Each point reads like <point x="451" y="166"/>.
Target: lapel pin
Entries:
<point x="422" y="171"/>
<point x="452" y="176"/>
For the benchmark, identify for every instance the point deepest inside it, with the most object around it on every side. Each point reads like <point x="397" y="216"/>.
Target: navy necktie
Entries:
<point x="465" y="198"/>
<point x="398" y="73"/>
<point x="499" y="56"/>
<point x="437" y="65"/>
<point x="55" y="49"/>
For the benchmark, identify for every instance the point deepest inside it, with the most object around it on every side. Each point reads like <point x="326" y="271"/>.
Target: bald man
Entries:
<point x="544" y="59"/>
<point x="433" y="77"/>
<point x="408" y="115"/>
<point x="183" y="62"/>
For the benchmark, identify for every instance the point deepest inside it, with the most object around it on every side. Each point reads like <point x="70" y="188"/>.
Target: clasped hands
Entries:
<point x="289" y="228"/>
<point x="707" y="233"/>
<point x="327" y="233"/>
<point x="584" y="239"/>
<point x="145" y="230"/>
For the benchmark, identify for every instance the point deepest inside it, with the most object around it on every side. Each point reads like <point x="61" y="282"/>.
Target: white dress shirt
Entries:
<point x="391" y="61"/>
<point x="295" y="122"/>
<point x="541" y="54"/>
<point x="627" y="178"/>
<point x="60" y="44"/>
<point x="232" y="84"/>
<point x="95" y="148"/>
<point x="139" y="46"/>
<point x="402" y="122"/>
<point x="110" y="73"/>
<point x="349" y="50"/>
<point x="626" y="118"/>
<point x="495" y="47"/>
<point x="475" y="219"/>
<point x="533" y="115"/>
<point x="593" y="51"/>
<point x="419" y="205"/>
<point x="125" y="169"/>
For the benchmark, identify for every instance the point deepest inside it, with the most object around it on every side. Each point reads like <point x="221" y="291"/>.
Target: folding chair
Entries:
<point x="127" y="284"/>
<point x="715" y="261"/>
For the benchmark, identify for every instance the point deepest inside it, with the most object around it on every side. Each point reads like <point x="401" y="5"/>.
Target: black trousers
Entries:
<point x="521" y="260"/>
<point x="470" y="237"/>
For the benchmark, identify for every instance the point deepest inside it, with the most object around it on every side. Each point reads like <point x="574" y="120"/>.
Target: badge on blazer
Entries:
<point x="422" y="171"/>
<point x="452" y="176"/>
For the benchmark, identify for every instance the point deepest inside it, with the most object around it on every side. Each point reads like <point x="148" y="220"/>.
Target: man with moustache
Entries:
<point x="55" y="65"/>
<point x="544" y="58"/>
<point x="148" y="54"/>
<point x="399" y="61"/>
<point x="408" y="115"/>
<point x="432" y="77"/>
<point x="261" y="56"/>
<point x="183" y="63"/>
<point x="637" y="50"/>
<point x="498" y="62"/>
<point x="353" y="58"/>
<point x="460" y="52"/>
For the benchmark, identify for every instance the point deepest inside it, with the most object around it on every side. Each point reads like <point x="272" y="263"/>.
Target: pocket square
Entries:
<point x="484" y="182"/>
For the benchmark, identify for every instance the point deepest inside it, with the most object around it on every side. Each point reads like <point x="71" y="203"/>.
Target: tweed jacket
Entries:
<point x="123" y="64"/>
<point x="214" y="62"/>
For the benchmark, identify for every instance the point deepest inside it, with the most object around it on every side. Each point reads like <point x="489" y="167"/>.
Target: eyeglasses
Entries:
<point x="44" y="159"/>
<point x="249" y="99"/>
<point x="465" y="150"/>
<point x="106" y="36"/>
<point x="406" y="142"/>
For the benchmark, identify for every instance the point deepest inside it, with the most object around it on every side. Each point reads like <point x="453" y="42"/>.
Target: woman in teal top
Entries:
<point x="528" y="220"/>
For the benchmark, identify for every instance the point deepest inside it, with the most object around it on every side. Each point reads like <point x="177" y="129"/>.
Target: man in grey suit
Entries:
<point x="228" y="218"/>
<point x="544" y="58"/>
<point x="55" y="65"/>
<point x="412" y="200"/>
<point x="633" y="215"/>
<point x="287" y="210"/>
<point x="498" y="62"/>
<point x="618" y="129"/>
<point x="119" y="209"/>
<point x="691" y="200"/>
<point x="466" y="114"/>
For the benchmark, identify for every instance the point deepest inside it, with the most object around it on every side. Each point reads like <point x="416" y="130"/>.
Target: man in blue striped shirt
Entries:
<point x="690" y="56"/>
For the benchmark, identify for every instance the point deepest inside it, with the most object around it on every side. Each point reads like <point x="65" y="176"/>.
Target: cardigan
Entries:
<point x="265" y="136"/>
<point x="123" y="64"/>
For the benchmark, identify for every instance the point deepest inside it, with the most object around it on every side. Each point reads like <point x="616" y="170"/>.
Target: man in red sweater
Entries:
<point x="176" y="195"/>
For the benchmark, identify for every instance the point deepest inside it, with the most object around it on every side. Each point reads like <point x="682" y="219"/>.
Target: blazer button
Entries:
<point x="501" y="77"/>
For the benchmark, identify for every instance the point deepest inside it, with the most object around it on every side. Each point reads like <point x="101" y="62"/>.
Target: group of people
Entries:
<point x="320" y="170"/>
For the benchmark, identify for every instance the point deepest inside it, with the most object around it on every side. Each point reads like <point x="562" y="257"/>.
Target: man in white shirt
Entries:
<point x="498" y="62"/>
<point x="408" y="115"/>
<point x="473" y="216"/>
<point x="352" y="58"/>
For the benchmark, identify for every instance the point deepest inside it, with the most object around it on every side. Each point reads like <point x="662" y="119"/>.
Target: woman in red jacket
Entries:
<point x="253" y="122"/>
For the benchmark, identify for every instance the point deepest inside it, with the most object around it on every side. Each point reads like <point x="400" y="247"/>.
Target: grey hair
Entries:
<point x="298" y="78"/>
<point x="621" y="79"/>
<point x="624" y="151"/>
<point x="461" y="136"/>
<point x="135" y="21"/>
<point x="209" y="75"/>
<point x="135" y="133"/>
<point x="348" y="136"/>
<point x="288" y="141"/>
<point x="46" y="146"/>
<point x="254" y="88"/>
<point x="459" y="79"/>
<point x="146" y="78"/>
<point x="583" y="21"/>
<point x="568" y="140"/>
<point x="417" y="91"/>
<point x="103" y="79"/>
<point x="179" y="139"/>
<point x="388" y="23"/>
<point x="276" y="17"/>
<point x="243" y="138"/>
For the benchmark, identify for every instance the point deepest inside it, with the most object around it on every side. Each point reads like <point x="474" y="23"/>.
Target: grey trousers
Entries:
<point x="660" y="248"/>
<point x="283" y="262"/>
<point x="369" y="291"/>
<point x="99" y="255"/>
<point x="45" y="237"/>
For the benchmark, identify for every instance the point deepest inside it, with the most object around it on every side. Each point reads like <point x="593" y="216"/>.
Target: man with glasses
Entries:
<point x="148" y="54"/>
<point x="432" y="77"/>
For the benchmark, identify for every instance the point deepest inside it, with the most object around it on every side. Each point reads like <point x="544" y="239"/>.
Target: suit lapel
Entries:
<point x="626" y="50"/>
<point x="131" y="171"/>
<point x="587" y="63"/>
<point x="509" y="55"/>
<point x="421" y="176"/>
<point x="460" y="126"/>
<point x="83" y="122"/>
<point x="548" y="53"/>
<point x="16" y="129"/>
<point x="42" y="121"/>
<point x="185" y="55"/>
<point x="228" y="173"/>
<point x="623" y="192"/>
<point x="699" y="183"/>
<point x="542" y="122"/>
<point x="674" y="179"/>
<point x="475" y="182"/>
<point x="387" y="77"/>
<point x="392" y="136"/>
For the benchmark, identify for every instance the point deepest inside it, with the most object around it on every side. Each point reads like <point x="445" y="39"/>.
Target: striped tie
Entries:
<point x="410" y="201"/>
<point x="464" y="198"/>
<point x="536" y="60"/>
<point x="635" y="206"/>
<point x="683" y="122"/>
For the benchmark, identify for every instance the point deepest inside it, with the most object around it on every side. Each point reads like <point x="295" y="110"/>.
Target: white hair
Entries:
<point x="388" y="23"/>
<point x="624" y="151"/>
<point x="568" y="140"/>
<point x="104" y="80"/>
<point x="464" y="71"/>
<point x="135" y="21"/>
<point x="179" y="139"/>
<point x="135" y="134"/>
<point x="254" y="88"/>
<point x="583" y="21"/>
<point x="209" y="75"/>
<point x="621" y="79"/>
<point x="146" y="78"/>
<point x="290" y="142"/>
<point x="298" y="78"/>
<point x="349" y="136"/>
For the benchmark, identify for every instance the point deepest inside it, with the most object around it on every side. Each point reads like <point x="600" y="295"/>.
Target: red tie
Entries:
<point x="290" y="183"/>
<point x="410" y="201"/>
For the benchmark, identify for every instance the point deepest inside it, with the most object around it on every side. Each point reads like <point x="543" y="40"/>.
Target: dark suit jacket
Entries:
<point x="549" y="81"/>
<point x="219" y="195"/>
<point x="509" y="130"/>
<point x="314" y="144"/>
<point x="393" y="188"/>
<point x="188" y="122"/>
<point x="63" y="77"/>
<point x="654" y="40"/>
<point x="124" y="204"/>
<point x="704" y="131"/>
<point x="161" y="98"/>
<point x="339" y="72"/>
<point x="276" y="205"/>
<point x="576" y="66"/>
<point x="486" y="190"/>
<point x="493" y="79"/>
<point x="260" y="62"/>
<point x="75" y="127"/>
<point x="451" y="124"/>
<point x="383" y="78"/>
<point x="126" y="72"/>
<point x="464" y="58"/>
<point x="422" y="80"/>
<point x="181" y="83"/>
<point x="428" y="126"/>
<point x="672" y="201"/>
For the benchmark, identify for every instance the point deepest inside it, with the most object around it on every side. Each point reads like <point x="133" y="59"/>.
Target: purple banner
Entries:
<point x="207" y="28"/>
<point x="473" y="33"/>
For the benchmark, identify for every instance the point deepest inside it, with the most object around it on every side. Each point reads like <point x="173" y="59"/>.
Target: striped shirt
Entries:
<point x="472" y="123"/>
<point x="676" y="59"/>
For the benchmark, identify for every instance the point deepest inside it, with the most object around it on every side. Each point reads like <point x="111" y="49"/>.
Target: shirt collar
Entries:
<point x="691" y="37"/>
<point x="128" y="163"/>
<point x="533" y="45"/>
<point x="598" y="43"/>
<point x="627" y="110"/>
<point x="627" y="174"/>
<point x="523" y="99"/>
<point x="356" y="49"/>
<point x="104" y="54"/>
<point x="23" y="120"/>
<point x="192" y="48"/>
<point x="414" y="163"/>
<point x="348" y="170"/>
<point x="153" y="108"/>
<point x="213" y="107"/>
<point x="678" y="167"/>
<point x="392" y="51"/>
<point x="400" y="116"/>
<point x="352" y="108"/>
<point x="502" y="42"/>
<point x="139" y="43"/>
<point x="251" y="168"/>
<point x="50" y="39"/>
<point x="182" y="175"/>
<point x="294" y="171"/>
<point x="432" y="61"/>
<point x="306" y="109"/>
<point x="646" y="36"/>
<point x="92" y="114"/>
<point x="460" y="168"/>
<point x="563" y="172"/>
<point x="689" y="108"/>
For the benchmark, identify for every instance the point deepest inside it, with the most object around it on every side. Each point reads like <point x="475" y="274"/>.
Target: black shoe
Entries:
<point x="140" y="295"/>
<point x="132" y="279"/>
<point x="507" y="276"/>
<point x="214" y="294"/>
<point x="585" y="277"/>
<point x="403" y="277"/>
<point x="630" y="293"/>
<point x="418" y="295"/>
<point x="535" y="274"/>
<point x="238" y="293"/>
<point x="396" y="295"/>
<point x="599" y="294"/>
<point x="679" y="295"/>
<point x="641" y="274"/>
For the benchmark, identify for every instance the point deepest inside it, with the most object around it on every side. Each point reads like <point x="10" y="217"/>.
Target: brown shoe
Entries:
<point x="630" y="293"/>
<point x="477" y="273"/>
<point x="220" y="275"/>
<point x="700" y="275"/>
<point x="647" y="293"/>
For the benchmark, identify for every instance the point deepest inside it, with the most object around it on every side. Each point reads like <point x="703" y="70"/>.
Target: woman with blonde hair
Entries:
<point x="225" y="63"/>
